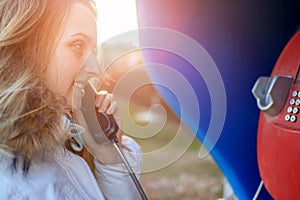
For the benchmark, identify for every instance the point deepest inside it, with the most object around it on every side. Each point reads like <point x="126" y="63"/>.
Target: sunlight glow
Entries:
<point x="116" y="17"/>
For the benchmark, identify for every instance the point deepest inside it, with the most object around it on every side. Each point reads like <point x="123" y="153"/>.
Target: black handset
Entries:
<point x="96" y="123"/>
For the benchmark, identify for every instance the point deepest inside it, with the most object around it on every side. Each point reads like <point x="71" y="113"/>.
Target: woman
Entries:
<point x="45" y="49"/>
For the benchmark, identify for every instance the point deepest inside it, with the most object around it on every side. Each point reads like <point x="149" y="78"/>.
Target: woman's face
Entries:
<point x="78" y="40"/>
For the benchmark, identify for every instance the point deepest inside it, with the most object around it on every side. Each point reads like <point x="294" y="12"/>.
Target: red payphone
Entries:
<point x="278" y="143"/>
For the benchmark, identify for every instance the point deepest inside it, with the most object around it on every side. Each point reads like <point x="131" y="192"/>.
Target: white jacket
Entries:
<point x="69" y="177"/>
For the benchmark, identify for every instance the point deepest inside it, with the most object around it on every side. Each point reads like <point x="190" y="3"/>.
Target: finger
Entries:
<point x="112" y="109"/>
<point x="105" y="103"/>
<point x="100" y="96"/>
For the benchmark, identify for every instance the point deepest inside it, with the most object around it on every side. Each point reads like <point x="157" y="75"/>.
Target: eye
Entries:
<point x="78" y="47"/>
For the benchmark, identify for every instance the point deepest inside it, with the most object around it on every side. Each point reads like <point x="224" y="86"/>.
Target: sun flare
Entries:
<point x="116" y="17"/>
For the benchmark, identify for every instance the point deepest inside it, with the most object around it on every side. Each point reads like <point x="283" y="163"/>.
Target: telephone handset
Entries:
<point x="98" y="123"/>
<point x="278" y="142"/>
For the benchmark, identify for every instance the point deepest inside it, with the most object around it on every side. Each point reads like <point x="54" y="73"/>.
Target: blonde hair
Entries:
<point x="30" y="114"/>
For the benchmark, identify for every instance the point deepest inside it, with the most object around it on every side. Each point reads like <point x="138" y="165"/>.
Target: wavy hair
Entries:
<point x="30" y="114"/>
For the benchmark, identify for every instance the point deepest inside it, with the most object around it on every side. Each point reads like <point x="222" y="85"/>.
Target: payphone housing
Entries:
<point x="278" y="142"/>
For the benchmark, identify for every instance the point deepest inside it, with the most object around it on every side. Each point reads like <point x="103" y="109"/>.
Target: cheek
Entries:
<point x="62" y="73"/>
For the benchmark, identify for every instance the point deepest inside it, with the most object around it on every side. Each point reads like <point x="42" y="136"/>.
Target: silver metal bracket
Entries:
<point x="271" y="93"/>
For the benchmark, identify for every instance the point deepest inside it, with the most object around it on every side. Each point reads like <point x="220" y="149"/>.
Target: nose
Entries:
<point x="91" y="66"/>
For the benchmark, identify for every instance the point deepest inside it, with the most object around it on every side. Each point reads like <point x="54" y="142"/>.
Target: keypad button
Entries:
<point x="295" y="93"/>
<point x="293" y="118"/>
<point x="298" y="94"/>
<point x="287" y="118"/>
<point x="297" y="102"/>
<point x="290" y="109"/>
<point x="295" y="110"/>
<point x="292" y="101"/>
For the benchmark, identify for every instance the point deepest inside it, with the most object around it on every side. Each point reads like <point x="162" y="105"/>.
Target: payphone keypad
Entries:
<point x="293" y="108"/>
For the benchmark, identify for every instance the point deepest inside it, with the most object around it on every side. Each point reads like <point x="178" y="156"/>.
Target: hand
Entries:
<point x="105" y="152"/>
<point x="105" y="105"/>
